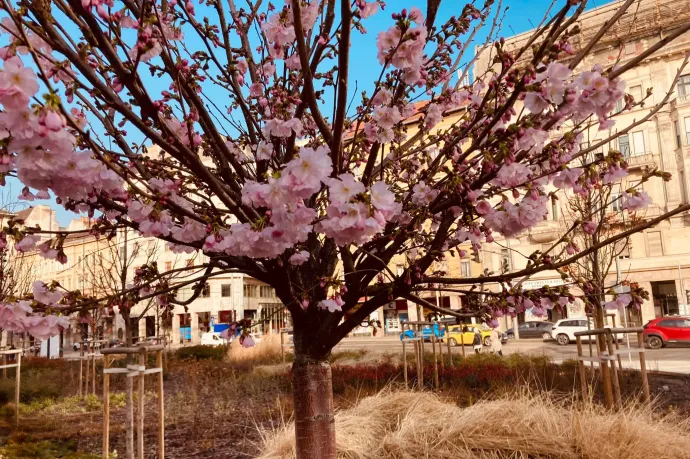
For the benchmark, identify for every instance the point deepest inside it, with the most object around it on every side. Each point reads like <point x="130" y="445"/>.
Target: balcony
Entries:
<point x="680" y="101"/>
<point x="637" y="160"/>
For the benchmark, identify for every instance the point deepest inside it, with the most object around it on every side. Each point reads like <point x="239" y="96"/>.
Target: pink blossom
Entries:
<point x="614" y="174"/>
<point x="567" y="178"/>
<point x="299" y="258"/>
<point x="546" y="303"/>
<point x="621" y="301"/>
<point x="387" y="117"/>
<point x="423" y="194"/>
<point x="434" y="115"/>
<point x="332" y="305"/>
<point x="535" y="103"/>
<point x="45" y="251"/>
<point x="384" y="200"/>
<point x="512" y="175"/>
<point x="27" y="243"/>
<point x="635" y="201"/>
<point x="589" y="227"/>
<point x="367" y="9"/>
<point x="283" y="128"/>
<point x="344" y="188"/>
<point x="44" y="295"/>
<point x="483" y="208"/>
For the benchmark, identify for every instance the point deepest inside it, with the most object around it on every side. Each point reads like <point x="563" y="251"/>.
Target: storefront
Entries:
<point x="393" y="313"/>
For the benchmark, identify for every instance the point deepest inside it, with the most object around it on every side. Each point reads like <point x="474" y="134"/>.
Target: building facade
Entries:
<point x="659" y="257"/>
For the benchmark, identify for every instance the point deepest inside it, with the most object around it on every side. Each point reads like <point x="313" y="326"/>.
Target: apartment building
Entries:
<point x="95" y="265"/>
<point x="659" y="257"/>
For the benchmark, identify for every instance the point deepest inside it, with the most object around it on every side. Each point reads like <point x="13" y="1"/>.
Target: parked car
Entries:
<point x="464" y="333"/>
<point x="77" y="346"/>
<point x="212" y="339"/>
<point x="426" y="332"/>
<point x="564" y="330"/>
<point x="532" y="329"/>
<point x="666" y="330"/>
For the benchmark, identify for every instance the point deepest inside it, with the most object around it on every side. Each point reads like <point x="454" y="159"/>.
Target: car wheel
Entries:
<point x="546" y="336"/>
<point x="511" y="336"/>
<point x="487" y="341"/>
<point x="75" y="347"/>
<point x="655" y="342"/>
<point x="452" y="342"/>
<point x="563" y="339"/>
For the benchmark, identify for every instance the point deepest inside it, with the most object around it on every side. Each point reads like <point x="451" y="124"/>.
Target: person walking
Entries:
<point x="477" y="341"/>
<point x="496" y="345"/>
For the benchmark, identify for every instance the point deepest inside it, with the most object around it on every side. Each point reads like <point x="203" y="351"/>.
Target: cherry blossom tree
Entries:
<point x="235" y="130"/>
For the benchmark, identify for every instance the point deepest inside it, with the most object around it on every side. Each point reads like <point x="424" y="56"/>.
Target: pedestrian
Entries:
<point x="496" y="345"/>
<point x="477" y="341"/>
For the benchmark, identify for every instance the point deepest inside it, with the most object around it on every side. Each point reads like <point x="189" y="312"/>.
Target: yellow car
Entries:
<point x="465" y="334"/>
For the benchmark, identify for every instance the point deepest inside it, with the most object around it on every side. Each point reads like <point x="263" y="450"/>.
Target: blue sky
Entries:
<point x="522" y="15"/>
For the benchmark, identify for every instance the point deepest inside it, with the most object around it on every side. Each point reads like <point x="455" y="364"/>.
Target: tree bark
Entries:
<point x="313" y="400"/>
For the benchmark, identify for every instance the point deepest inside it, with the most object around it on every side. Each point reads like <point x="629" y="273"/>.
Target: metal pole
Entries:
<point x="161" y="408"/>
<point x="684" y="297"/>
<point x="625" y="312"/>
<point x="17" y="384"/>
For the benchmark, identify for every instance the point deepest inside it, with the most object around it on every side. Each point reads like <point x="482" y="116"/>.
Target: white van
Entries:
<point x="212" y="339"/>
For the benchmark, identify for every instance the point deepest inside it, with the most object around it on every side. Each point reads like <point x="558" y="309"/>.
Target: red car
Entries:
<point x="665" y="330"/>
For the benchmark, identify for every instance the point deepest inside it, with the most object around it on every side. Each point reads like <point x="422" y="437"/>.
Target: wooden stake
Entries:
<point x="581" y="370"/>
<point x="450" y="354"/>
<point x="93" y="369"/>
<point x="589" y="342"/>
<point x="81" y="366"/>
<point x="462" y="341"/>
<point x="614" y="369"/>
<point x="106" y="409"/>
<point x="4" y="362"/>
<point x="404" y="360"/>
<point x="440" y="353"/>
<point x="140" y="403"/>
<point x="605" y="375"/>
<point x="17" y="383"/>
<point x="433" y="351"/>
<point x="421" y="357"/>
<point x="643" y="368"/>
<point x="282" y="352"/>
<point x="161" y="407"/>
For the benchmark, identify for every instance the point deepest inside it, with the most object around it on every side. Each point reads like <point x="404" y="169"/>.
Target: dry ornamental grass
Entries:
<point x="407" y="425"/>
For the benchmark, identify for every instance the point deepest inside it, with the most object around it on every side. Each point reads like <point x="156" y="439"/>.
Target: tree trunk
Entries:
<point x="313" y="400"/>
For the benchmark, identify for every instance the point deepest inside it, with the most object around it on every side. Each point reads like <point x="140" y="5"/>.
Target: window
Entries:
<point x="636" y="92"/>
<point x="676" y="128"/>
<point x="266" y="291"/>
<point x="684" y="86"/>
<point x="630" y="49"/>
<point x="206" y="291"/>
<point x="554" y="210"/>
<point x="122" y="253"/>
<point x="687" y="130"/>
<point x="624" y="251"/>
<point x="506" y="261"/>
<point x="225" y="290"/>
<point x="400" y="269"/>
<point x="249" y="291"/>
<point x="684" y="323"/>
<point x="683" y="186"/>
<point x="465" y="268"/>
<point x="225" y="317"/>
<point x="638" y="147"/>
<point x="616" y="202"/>
<point x="619" y="105"/>
<point x="669" y="323"/>
<point x="624" y="145"/>
<point x="654" y="244"/>
<point x="168" y="265"/>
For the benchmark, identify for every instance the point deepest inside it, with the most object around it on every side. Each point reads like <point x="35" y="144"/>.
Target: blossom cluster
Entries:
<point x="17" y="316"/>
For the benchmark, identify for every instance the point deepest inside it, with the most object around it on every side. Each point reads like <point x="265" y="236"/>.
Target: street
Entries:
<point x="671" y="359"/>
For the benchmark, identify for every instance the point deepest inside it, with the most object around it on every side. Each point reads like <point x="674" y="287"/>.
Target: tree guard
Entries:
<point x="140" y="371"/>
<point x="17" y="383"/>
<point x="607" y="352"/>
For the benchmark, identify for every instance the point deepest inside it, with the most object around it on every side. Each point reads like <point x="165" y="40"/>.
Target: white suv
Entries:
<point x="564" y="330"/>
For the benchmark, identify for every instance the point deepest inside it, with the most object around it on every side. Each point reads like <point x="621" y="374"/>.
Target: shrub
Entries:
<point x="201" y="353"/>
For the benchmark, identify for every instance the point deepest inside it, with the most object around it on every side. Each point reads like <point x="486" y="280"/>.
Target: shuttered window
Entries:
<point x="654" y="244"/>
